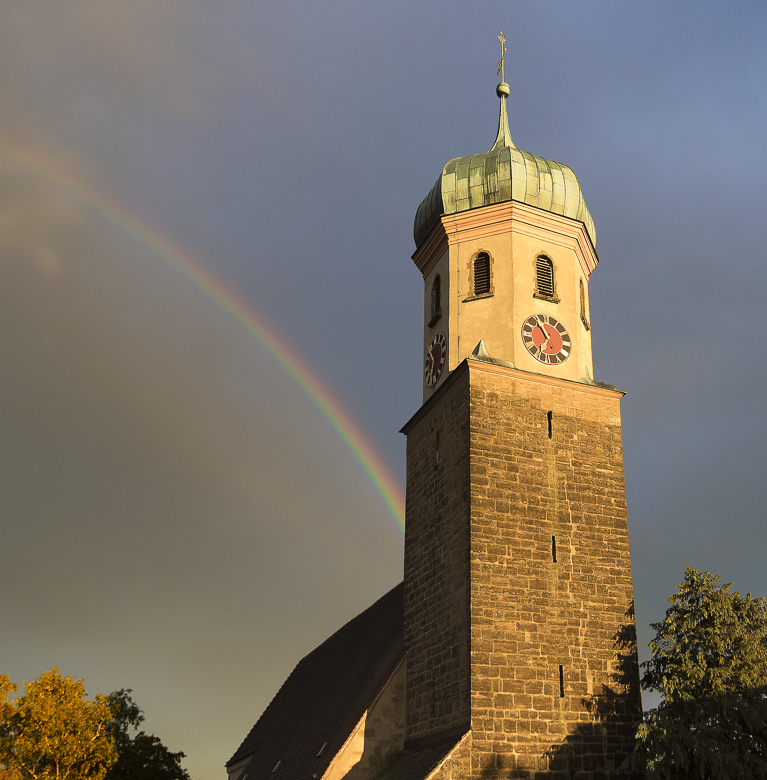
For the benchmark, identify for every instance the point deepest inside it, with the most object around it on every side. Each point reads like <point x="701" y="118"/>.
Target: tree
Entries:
<point x="142" y="756"/>
<point x="145" y="758"/>
<point x="6" y="709"/>
<point x="709" y="662"/>
<point x="54" y="733"/>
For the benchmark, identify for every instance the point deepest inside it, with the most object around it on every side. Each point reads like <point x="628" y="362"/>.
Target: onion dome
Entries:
<point x="502" y="174"/>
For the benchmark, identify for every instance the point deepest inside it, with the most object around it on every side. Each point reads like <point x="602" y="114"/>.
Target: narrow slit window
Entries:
<point x="561" y="681"/>
<point x="482" y="274"/>
<point x="584" y="318"/>
<point x="436" y="300"/>
<point x="554" y="549"/>
<point x="550" y="421"/>
<point x="277" y="765"/>
<point x="544" y="277"/>
<point x="322" y="749"/>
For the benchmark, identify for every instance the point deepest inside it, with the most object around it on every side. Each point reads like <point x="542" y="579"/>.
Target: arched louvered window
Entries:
<point x="436" y="300"/>
<point x="481" y="274"/>
<point x="544" y="277"/>
<point x="584" y="318"/>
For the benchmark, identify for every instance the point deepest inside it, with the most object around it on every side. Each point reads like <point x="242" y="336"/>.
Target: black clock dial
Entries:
<point x="435" y="359"/>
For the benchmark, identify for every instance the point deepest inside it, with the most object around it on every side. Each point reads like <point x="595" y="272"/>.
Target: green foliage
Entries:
<point x="140" y="757"/>
<point x="709" y="662"/>
<point x="146" y="758"/>
<point x="126" y="715"/>
<point x="54" y="733"/>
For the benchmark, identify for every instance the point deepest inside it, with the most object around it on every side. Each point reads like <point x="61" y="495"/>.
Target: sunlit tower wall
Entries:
<point x="519" y="623"/>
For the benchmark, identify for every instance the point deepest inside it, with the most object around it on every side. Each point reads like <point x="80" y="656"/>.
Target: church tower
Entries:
<point x="510" y="650"/>
<point x="519" y="625"/>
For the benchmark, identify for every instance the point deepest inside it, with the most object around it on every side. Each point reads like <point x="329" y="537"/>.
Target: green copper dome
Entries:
<point x="504" y="173"/>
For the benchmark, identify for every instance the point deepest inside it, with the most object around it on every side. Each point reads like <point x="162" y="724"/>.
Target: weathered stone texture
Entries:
<point x="484" y="524"/>
<point x="457" y="765"/>
<point x="437" y="567"/>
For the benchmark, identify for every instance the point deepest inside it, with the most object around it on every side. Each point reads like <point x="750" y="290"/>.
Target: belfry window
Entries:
<point x="544" y="279"/>
<point x="481" y="274"/>
<point x="436" y="300"/>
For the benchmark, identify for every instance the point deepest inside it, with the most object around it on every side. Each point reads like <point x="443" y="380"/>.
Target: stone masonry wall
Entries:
<point x="554" y="675"/>
<point x="516" y="567"/>
<point x="437" y="563"/>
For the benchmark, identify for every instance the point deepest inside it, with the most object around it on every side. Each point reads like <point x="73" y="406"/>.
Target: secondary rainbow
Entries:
<point x="291" y="362"/>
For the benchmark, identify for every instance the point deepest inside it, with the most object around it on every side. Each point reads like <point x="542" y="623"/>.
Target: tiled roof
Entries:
<point x="326" y="695"/>
<point x="417" y="764"/>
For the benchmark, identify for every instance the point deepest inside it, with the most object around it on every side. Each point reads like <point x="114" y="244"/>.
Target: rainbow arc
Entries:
<point x="106" y="207"/>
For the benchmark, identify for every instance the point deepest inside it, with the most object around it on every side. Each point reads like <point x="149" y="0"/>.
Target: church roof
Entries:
<point x="326" y="695"/>
<point x="502" y="174"/>
<point x="416" y="764"/>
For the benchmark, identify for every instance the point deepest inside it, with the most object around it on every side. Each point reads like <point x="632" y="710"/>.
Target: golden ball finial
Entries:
<point x="502" y="90"/>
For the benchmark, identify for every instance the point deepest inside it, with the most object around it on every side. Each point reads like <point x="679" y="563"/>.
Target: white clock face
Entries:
<point x="435" y="359"/>
<point x="546" y="339"/>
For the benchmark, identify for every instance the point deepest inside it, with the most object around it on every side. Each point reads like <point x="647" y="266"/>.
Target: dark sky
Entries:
<point x="178" y="517"/>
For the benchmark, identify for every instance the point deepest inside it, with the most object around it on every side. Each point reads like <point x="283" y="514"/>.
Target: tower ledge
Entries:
<point x="500" y="218"/>
<point x="555" y="385"/>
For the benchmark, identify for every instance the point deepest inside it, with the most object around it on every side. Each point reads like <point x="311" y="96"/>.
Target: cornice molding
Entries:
<point x="483" y="366"/>
<point x="512" y="216"/>
<point x="477" y="365"/>
<point x="502" y="218"/>
<point x="426" y="256"/>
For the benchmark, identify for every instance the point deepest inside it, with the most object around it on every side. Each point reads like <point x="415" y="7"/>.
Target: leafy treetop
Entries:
<point x="709" y="662"/>
<point x="53" y="733"/>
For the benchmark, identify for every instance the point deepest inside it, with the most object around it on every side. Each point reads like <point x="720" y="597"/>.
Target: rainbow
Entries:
<point x="254" y="324"/>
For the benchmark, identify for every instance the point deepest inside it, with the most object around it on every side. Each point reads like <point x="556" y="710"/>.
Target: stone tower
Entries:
<point x="519" y="624"/>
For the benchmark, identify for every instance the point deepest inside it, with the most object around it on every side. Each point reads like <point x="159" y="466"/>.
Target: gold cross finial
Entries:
<point x="503" y="52"/>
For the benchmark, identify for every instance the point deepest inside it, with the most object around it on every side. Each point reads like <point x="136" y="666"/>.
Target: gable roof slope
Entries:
<point x="326" y="695"/>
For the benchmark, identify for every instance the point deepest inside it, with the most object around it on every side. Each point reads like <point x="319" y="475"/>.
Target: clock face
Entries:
<point x="435" y="359"/>
<point x="546" y="339"/>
